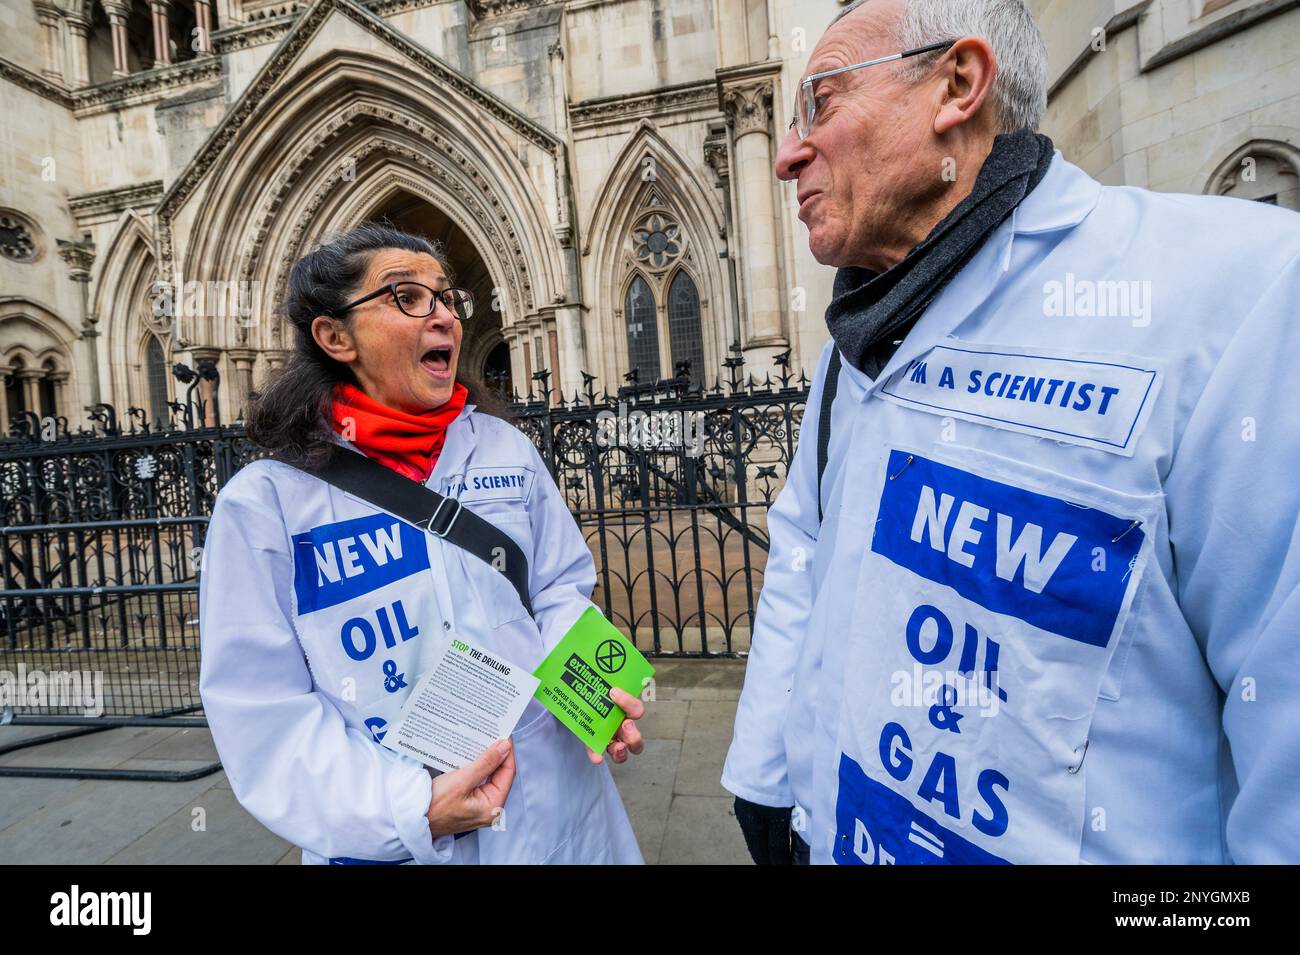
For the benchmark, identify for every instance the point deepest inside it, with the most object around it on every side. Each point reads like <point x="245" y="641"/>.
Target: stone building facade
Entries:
<point x="600" y="170"/>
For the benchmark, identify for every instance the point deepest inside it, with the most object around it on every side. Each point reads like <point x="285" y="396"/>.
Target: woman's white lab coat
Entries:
<point x="318" y="613"/>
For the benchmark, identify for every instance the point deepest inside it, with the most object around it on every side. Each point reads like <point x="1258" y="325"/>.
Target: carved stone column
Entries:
<point x="242" y="359"/>
<point x="80" y="256"/>
<point x="60" y="379"/>
<point x="4" y="400"/>
<point x="274" y="361"/>
<point x="203" y="14"/>
<point x="48" y="15"/>
<point x="79" y="67"/>
<point x="29" y="379"/>
<point x="162" y="49"/>
<point x="748" y="108"/>
<point x="118" y="11"/>
<point x="717" y="158"/>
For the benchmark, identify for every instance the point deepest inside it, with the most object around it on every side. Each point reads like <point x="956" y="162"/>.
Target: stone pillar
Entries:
<point x="274" y="361"/>
<point x="526" y="379"/>
<point x="60" y="379"/>
<point x="203" y="14"/>
<point x="568" y="324"/>
<point x="242" y="359"/>
<point x="80" y="256"/>
<point x="117" y="11"/>
<point x="4" y="401"/>
<point x="49" y="16"/>
<point x="749" y="114"/>
<point x="162" y="49"/>
<point x="29" y="379"/>
<point x="717" y="158"/>
<point x="79" y="54"/>
<point x="516" y="364"/>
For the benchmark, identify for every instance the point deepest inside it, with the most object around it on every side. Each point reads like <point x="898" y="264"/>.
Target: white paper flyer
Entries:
<point x="468" y="700"/>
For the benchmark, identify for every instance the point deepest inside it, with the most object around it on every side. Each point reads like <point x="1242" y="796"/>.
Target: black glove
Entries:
<point x="766" y="830"/>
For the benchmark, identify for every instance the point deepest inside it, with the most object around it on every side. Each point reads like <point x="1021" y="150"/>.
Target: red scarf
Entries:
<point x="407" y="443"/>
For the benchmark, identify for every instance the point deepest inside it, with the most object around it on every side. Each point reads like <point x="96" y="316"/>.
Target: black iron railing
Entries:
<point x="101" y="529"/>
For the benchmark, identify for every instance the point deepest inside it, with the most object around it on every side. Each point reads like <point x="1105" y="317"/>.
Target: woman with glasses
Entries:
<point x="319" y="611"/>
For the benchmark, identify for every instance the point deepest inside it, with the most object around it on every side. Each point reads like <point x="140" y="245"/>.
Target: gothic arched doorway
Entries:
<point x="483" y="332"/>
<point x="497" y="374"/>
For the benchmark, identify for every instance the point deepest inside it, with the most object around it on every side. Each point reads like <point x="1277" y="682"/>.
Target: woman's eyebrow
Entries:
<point x="398" y="273"/>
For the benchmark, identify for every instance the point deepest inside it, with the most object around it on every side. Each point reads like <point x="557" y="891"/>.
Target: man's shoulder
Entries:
<point x="1196" y="229"/>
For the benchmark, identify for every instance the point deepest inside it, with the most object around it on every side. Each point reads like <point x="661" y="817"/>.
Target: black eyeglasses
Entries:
<point x="419" y="301"/>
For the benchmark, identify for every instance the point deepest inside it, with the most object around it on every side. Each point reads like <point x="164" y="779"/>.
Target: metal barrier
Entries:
<point x="101" y="532"/>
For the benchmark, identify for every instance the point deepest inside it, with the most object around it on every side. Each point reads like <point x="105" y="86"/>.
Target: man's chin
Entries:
<point x="826" y="249"/>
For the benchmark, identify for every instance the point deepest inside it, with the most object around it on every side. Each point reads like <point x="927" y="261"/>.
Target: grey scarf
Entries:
<point x="870" y="311"/>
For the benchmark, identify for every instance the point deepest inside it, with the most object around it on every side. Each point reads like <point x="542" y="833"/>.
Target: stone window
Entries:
<point x="685" y="335"/>
<point x="642" y="331"/>
<point x="17" y="238"/>
<point x="1263" y="171"/>
<point x="657" y="242"/>
<point x="155" y="361"/>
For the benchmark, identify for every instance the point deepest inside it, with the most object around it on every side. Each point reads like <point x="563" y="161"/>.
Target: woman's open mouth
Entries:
<point x="437" y="362"/>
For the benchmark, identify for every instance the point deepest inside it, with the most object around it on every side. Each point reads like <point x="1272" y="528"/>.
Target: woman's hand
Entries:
<point x="472" y="797"/>
<point x="628" y="738"/>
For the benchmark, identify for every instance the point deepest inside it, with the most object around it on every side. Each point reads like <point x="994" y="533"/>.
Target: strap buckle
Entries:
<point x="437" y="511"/>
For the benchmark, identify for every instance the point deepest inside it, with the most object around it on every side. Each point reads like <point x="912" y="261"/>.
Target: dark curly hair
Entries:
<point x="289" y="416"/>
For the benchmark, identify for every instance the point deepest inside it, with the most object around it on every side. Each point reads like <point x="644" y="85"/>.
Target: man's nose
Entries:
<point x="792" y="155"/>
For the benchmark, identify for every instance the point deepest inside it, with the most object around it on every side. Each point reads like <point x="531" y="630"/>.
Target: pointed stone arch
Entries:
<point x="36" y="352"/>
<point x="123" y="301"/>
<point x="650" y="175"/>
<point x="320" y="133"/>
<point x="329" y="166"/>
<point x="303" y="148"/>
<point x="1235" y="174"/>
<point x="359" y="173"/>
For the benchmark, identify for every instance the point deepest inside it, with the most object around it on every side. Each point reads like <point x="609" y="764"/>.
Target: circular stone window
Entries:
<point x="17" y="237"/>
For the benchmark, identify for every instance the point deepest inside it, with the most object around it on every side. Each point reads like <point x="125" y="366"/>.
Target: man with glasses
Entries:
<point x="1031" y="595"/>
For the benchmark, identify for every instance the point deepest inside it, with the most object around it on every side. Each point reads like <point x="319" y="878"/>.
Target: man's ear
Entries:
<point x="333" y="338"/>
<point x="968" y="78"/>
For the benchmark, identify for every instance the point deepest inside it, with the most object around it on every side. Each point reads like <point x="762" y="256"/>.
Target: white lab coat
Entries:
<point x="319" y="613"/>
<point x="1049" y="623"/>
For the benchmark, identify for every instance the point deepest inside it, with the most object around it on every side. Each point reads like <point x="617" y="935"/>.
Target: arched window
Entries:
<point x="642" y="331"/>
<point x="687" y="341"/>
<point x="1263" y="170"/>
<point x="156" y="370"/>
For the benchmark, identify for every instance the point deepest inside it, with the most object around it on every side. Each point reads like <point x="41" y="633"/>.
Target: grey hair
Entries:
<point x="1020" y="89"/>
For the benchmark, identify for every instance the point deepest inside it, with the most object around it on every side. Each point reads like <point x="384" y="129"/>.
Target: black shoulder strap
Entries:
<point x="430" y="511"/>
<point x="831" y="385"/>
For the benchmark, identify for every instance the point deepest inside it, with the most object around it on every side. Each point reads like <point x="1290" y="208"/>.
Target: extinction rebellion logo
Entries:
<point x="610" y="656"/>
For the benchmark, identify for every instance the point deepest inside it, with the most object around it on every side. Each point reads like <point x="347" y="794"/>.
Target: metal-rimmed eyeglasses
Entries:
<point x="805" y="111"/>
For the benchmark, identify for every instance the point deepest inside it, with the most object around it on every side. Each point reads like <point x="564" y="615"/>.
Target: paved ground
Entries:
<point x="680" y="813"/>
